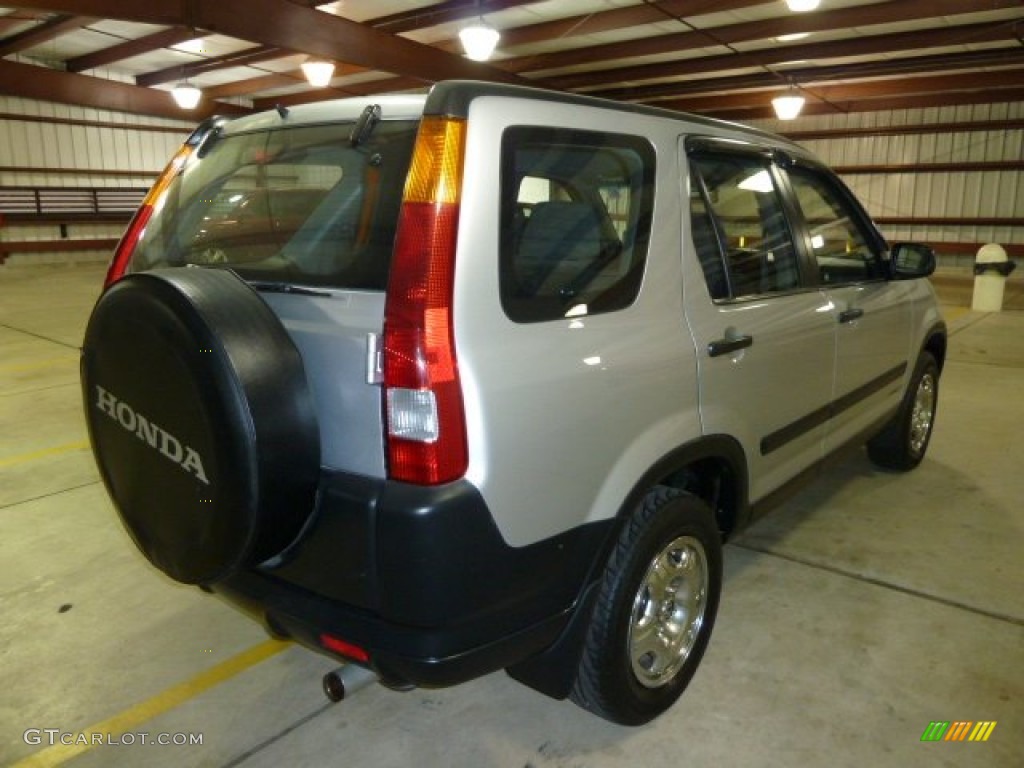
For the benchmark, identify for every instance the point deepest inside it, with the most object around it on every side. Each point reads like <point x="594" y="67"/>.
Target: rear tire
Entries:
<point x="902" y="444"/>
<point x="654" y="612"/>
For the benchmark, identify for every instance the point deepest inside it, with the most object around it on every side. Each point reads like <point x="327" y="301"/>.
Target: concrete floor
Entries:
<point x="865" y="608"/>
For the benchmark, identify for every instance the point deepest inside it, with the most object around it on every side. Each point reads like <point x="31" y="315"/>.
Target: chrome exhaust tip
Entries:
<point x="346" y="680"/>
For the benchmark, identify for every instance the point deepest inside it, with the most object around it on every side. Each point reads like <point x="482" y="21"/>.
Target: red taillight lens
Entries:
<point x="126" y="247"/>
<point x="423" y="398"/>
<point x="130" y="239"/>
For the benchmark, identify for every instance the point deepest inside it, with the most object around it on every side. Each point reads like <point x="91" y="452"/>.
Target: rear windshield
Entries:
<point x="296" y="205"/>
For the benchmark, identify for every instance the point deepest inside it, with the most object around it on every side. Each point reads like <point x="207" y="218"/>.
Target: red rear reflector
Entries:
<point x="344" y="648"/>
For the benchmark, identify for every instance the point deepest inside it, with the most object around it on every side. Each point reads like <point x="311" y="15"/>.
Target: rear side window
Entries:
<point x="575" y="221"/>
<point x="295" y="205"/>
<point x="740" y="229"/>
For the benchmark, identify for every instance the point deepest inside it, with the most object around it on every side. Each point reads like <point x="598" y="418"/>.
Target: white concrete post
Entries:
<point x="991" y="268"/>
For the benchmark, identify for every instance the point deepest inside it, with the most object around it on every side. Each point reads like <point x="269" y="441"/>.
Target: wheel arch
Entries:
<point x="713" y="468"/>
<point x="935" y="342"/>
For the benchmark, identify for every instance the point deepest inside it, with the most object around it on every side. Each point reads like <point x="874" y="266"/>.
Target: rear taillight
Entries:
<point x="154" y="198"/>
<point x="132" y="235"/>
<point x="423" y="398"/>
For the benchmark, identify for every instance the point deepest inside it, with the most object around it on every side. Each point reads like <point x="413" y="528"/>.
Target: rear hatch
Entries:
<point x="303" y="205"/>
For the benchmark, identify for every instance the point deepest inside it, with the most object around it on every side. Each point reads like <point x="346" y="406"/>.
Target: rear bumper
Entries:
<point x="421" y="579"/>
<point x="401" y="655"/>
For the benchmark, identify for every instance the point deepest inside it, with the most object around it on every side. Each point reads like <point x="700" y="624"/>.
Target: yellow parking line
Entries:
<point x="157" y="705"/>
<point x="954" y="313"/>
<point x="39" y="363"/>
<point x="44" y="453"/>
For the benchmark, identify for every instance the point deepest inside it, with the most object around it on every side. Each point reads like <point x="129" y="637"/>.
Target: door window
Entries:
<point x="739" y="227"/>
<point x="841" y="248"/>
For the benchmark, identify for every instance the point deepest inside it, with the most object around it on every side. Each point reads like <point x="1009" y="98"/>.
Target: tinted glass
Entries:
<point x="839" y="244"/>
<point x="575" y="221"/>
<point x="295" y="205"/>
<point x="748" y="227"/>
<point x="706" y="242"/>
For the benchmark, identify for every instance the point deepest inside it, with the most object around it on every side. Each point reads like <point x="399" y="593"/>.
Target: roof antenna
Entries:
<point x="281" y="110"/>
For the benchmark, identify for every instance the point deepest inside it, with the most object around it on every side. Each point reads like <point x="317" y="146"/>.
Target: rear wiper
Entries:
<point x="275" y="287"/>
<point x="364" y="125"/>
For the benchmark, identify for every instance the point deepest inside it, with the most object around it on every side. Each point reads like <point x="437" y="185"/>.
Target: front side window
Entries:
<point x="840" y="246"/>
<point x="740" y="229"/>
<point x="576" y="212"/>
<point x="294" y="204"/>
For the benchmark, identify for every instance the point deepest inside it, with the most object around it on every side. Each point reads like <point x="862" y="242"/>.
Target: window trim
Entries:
<point x="579" y="139"/>
<point x="859" y="216"/>
<point x="807" y="277"/>
<point x="781" y="161"/>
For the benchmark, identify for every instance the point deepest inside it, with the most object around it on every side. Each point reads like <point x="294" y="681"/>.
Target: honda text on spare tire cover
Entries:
<point x="441" y="385"/>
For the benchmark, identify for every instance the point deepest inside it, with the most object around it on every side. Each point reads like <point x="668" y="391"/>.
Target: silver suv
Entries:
<point x="480" y="380"/>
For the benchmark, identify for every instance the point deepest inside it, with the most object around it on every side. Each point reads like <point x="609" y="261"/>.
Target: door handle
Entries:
<point x="725" y="346"/>
<point x="849" y="315"/>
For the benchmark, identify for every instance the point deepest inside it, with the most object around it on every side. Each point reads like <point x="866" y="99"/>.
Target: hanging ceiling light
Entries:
<point x="802" y="6"/>
<point x="196" y="45"/>
<point x="479" y="40"/>
<point x="318" y="72"/>
<point x="186" y="95"/>
<point x="788" y="107"/>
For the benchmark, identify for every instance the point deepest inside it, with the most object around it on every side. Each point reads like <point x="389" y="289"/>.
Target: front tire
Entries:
<point x="655" y="610"/>
<point x="902" y="444"/>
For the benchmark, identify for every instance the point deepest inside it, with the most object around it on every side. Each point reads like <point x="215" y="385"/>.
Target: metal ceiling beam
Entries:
<point x="911" y="86"/>
<point x="165" y="38"/>
<point x="780" y="54"/>
<point x="369" y="88"/>
<point x="253" y="85"/>
<point x="16" y="20"/>
<point x="44" y="84"/>
<point x="808" y="79"/>
<point x="824" y="21"/>
<point x="279" y="23"/>
<point x="442" y="13"/>
<point x="42" y="33"/>
<point x="394" y="24"/>
<point x="241" y="58"/>
<point x="238" y="59"/>
<point x="806" y="76"/>
<point x="609" y="21"/>
<point x="164" y="12"/>
<point x="272" y="80"/>
<point x="283" y="24"/>
<point x="619" y="18"/>
<point x="925" y="101"/>
<point x="988" y="84"/>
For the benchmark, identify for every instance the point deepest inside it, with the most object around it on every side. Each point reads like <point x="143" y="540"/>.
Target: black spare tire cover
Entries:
<point x="201" y="420"/>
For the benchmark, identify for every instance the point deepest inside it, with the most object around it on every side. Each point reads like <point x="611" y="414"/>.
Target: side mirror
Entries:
<point x="912" y="260"/>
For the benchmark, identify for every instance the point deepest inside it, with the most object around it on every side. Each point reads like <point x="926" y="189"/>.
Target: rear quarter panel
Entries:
<point x="564" y="416"/>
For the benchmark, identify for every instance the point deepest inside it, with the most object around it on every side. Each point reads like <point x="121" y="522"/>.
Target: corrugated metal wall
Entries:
<point x="926" y="195"/>
<point x="95" y="154"/>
